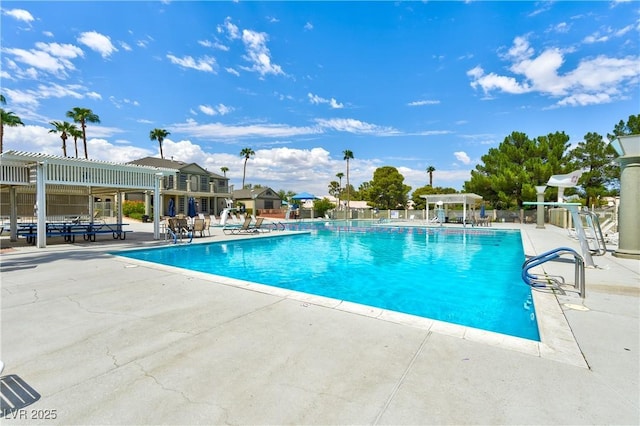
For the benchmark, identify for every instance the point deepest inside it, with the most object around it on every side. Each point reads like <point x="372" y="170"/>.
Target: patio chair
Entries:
<point x="199" y="226"/>
<point x="244" y="228"/>
<point x="178" y="227"/>
<point x="207" y="225"/>
<point x="258" y="226"/>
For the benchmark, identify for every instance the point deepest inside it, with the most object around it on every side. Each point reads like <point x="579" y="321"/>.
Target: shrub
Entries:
<point x="320" y="207"/>
<point x="133" y="209"/>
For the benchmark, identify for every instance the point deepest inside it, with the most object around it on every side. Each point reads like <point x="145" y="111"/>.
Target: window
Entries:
<point x="195" y="183"/>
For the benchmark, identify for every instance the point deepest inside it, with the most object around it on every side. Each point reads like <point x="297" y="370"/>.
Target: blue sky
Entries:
<point x="403" y="84"/>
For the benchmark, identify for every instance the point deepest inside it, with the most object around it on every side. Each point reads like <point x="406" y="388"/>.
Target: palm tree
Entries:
<point x="430" y="170"/>
<point x="246" y="153"/>
<point x="339" y="175"/>
<point x="348" y="155"/>
<point x="159" y="135"/>
<point x="75" y="133"/>
<point x="224" y="170"/>
<point x="7" y="118"/>
<point x="65" y="129"/>
<point x="83" y="116"/>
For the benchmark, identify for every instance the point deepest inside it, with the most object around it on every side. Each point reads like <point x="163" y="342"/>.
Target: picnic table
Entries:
<point x="69" y="230"/>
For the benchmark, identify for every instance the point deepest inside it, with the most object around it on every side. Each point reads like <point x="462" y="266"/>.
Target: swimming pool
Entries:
<point x="466" y="276"/>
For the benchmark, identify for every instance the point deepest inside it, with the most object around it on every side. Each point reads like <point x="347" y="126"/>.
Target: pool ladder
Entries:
<point x="554" y="281"/>
<point x="593" y="224"/>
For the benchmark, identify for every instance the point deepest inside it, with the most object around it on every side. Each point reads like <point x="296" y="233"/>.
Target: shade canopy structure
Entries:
<point x="466" y="199"/>
<point x="304" y="196"/>
<point x="43" y="173"/>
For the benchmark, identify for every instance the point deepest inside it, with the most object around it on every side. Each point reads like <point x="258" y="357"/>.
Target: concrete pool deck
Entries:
<point x="106" y="340"/>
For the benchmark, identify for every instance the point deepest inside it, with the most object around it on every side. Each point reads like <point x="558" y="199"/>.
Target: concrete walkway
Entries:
<point x="106" y="340"/>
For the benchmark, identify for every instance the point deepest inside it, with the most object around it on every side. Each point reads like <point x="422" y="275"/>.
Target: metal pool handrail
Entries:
<point x="539" y="282"/>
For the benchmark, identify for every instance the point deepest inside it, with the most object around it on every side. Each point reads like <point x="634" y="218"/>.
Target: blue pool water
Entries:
<point x="467" y="276"/>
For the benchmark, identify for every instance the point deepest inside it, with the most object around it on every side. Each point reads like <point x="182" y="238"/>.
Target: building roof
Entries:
<point x="248" y="194"/>
<point x="463" y="198"/>
<point x="171" y="164"/>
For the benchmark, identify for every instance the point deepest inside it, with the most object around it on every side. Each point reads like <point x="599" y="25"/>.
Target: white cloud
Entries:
<point x="22" y="97"/>
<point x="351" y="125"/>
<point x="229" y="28"/>
<point x="232" y="71"/>
<point x="561" y="28"/>
<point x="19" y="14"/>
<point x="492" y="81"/>
<point x="68" y="51"/>
<point x="606" y="34"/>
<point x="582" y="99"/>
<point x="31" y="98"/>
<point x="38" y="139"/>
<point x="308" y="26"/>
<point x="54" y="90"/>
<point x="97" y="42"/>
<point x="335" y="104"/>
<point x="206" y="109"/>
<point x="423" y="102"/>
<point x="258" y="54"/>
<point x="205" y="63"/>
<point x="101" y="149"/>
<point x="119" y="103"/>
<point x="213" y="44"/>
<point x="45" y="60"/>
<point x="223" y="109"/>
<point x="220" y="46"/>
<point x="219" y="131"/>
<point x="316" y="100"/>
<point x="219" y="109"/>
<point x="594" y="80"/>
<point x="462" y="157"/>
<point x="595" y="38"/>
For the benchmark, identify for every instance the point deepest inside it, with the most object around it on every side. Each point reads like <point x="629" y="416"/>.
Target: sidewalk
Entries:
<point x="105" y="340"/>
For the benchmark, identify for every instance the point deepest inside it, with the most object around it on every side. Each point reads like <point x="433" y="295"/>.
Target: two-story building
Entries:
<point x="208" y="189"/>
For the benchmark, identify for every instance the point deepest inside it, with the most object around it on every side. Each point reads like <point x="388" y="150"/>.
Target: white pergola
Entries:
<point x="463" y="198"/>
<point x="89" y="176"/>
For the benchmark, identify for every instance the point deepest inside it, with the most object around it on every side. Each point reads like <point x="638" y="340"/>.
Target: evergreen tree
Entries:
<point x="597" y="159"/>
<point x="508" y="174"/>
<point x="387" y="189"/>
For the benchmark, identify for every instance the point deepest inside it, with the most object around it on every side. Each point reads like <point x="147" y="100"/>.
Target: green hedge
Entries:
<point x="133" y="209"/>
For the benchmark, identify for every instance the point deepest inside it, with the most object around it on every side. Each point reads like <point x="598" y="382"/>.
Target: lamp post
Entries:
<point x="540" y="209"/>
<point x="628" y="147"/>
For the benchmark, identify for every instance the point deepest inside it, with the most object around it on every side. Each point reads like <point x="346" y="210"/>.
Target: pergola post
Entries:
<point x="13" y="213"/>
<point x="157" y="206"/>
<point x="540" y="207"/>
<point x="41" y="204"/>
<point x="147" y="202"/>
